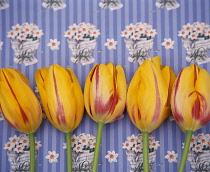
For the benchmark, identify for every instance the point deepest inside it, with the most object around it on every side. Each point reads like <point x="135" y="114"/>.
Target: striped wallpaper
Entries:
<point x="110" y="24"/>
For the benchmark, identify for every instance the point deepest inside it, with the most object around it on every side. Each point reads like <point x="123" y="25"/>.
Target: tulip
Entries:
<point x="62" y="100"/>
<point x="19" y="106"/>
<point x="148" y="99"/>
<point x="190" y="103"/>
<point x="104" y="96"/>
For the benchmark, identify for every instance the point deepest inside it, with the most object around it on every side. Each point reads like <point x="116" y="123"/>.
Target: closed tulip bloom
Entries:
<point x="105" y="93"/>
<point x="62" y="100"/>
<point x="18" y="103"/>
<point x="148" y="97"/>
<point x="190" y="103"/>
<point x="20" y="107"/>
<point x="191" y="98"/>
<point x="105" y="96"/>
<point x="61" y="97"/>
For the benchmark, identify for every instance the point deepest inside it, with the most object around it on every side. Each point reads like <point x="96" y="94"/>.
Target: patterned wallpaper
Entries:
<point x="81" y="33"/>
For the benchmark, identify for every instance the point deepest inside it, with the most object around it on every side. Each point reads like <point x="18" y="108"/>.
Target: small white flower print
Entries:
<point x="38" y="145"/>
<point x="168" y="43"/>
<point x="171" y="156"/>
<point x="54" y="44"/>
<point x="9" y="146"/>
<point x="112" y="156"/>
<point x="111" y="44"/>
<point x="1" y="43"/>
<point x="154" y="144"/>
<point x="64" y="146"/>
<point x="19" y="149"/>
<point x="127" y="145"/>
<point x="52" y="156"/>
<point x="14" y="139"/>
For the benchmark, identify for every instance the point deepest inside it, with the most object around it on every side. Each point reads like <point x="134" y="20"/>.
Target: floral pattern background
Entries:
<point x="55" y="18"/>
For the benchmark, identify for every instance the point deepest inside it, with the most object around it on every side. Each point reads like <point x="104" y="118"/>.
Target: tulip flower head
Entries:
<point x="105" y="93"/>
<point x="190" y="100"/>
<point x="148" y="102"/>
<point x="61" y="97"/>
<point x="18" y="103"/>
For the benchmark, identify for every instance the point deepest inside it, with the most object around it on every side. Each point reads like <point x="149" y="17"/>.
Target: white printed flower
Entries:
<point x="168" y="43"/>
<point x="187" y="27"/>
<point x="130" y="27"/>
<point x="73" y="28"/>
<point x="90" y="26"/>
<point x="193" y="36"/>
<point x="12" y="34"/>
<point x="14" y="139"/>
<point x="27" y="29"/>
<point x="201" y="135"/>
<point x="84" y="29"/>
<point x="127" y="145"/>
<point x="21" y="37"/>
<point x="95" y="33"/>
<point x="135" y="36"/>
<point x="139" y="24"/>
<point x="111" y="44"/>
<point x="111" y="156"/>
<point x="126" y="34"/>
<point x="19" y="149"/>
<point x="74" y="139"/>
<point x="137" y="148"/>
<point x="141" y="30"/>
<point x="78" y="148"/>
<point x="171" y="156"/>
<point x="151" y="32"/>
<point x="198" y="29"/>
<point x="69" y="34"/>
<point x="91" y="136"/>
<point x="38" y="33"/>
<point x="54" y="44"/>
<point x="183" y="33"/>
<point x="83" y="141"/>
<point x="79" y="36"/>
<point x="132" y="139"/>
<point x="147" y="25"/>
<point x="64" y="146"/>
<point x="25" y="25"/>
<point x="154" y="144"/>
<point x="38" y="145"/>
<point x="197" y="148"/>
<point x="203" y="141"/>
<point x="9" y="146"/>
<point x="1" y="43"/>
<point x="24" y="141"/>
<point x="207" y="32"/>
<point x="34" y="26"/>
<point x="52" y="156"/>
<point x="23" y="136"/>
<point x="17" y="28"/>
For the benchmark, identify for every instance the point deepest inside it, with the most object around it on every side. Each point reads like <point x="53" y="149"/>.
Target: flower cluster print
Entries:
<point x="83" y="147"/>
<point x="111" y="4"/>
<point x="199" y="152"/>
<point x="139" y="39"/>
<point x="167" y="4"/>
<point x="25" y="40"/>
<point x="82" y="40"/>
<point x="196" y="41"/>
<point x="133" y="147"/>
<point x="18" y="151"/>
<point x="54" y="4"/>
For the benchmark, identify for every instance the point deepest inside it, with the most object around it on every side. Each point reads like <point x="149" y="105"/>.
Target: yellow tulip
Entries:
<point x="19" y="106"/>
<point x="105" y="93"/>
<point x="61" y="97"/>
<point x="105" y="96"/>
<point x="62" y="100"/>
<point x="18" y="103"/>
<point x="190" y="103"/>
<point x="148" y="97"/>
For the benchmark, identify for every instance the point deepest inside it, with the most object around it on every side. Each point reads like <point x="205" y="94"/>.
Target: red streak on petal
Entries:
<point x="195" y="75"/>
<point x="196" y="110"/>
<point x="24" y="116"/>
<point x="60" y="110"/>
<point x="158" y="101"/>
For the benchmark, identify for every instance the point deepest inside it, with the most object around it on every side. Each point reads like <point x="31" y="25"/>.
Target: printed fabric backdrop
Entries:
<point x="81" y="33"/>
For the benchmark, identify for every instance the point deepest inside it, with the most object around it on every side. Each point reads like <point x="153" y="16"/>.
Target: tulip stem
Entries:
<point x="97" y="148"/>
<point x="145" y="136"/>
<point x="69" y="152"/>
<point x="189" y="134"/>
<point x="32" y="152"/>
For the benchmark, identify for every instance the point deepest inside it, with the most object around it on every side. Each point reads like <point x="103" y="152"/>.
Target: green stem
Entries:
<point x="97" y="148"/>
<point x="69" y="152"/>
<point x="32" y="152"/>
<point x="145" y="136"/>
<point x="189" y="134"/>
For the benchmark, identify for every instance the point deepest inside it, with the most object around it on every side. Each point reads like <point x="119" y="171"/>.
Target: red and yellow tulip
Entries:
<point x="19" y="106"/>
<point x="62" y="100"/>
<point x="148" y="98"/>
<point x="190" y="103"/>
<point x="105" y="96"/>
